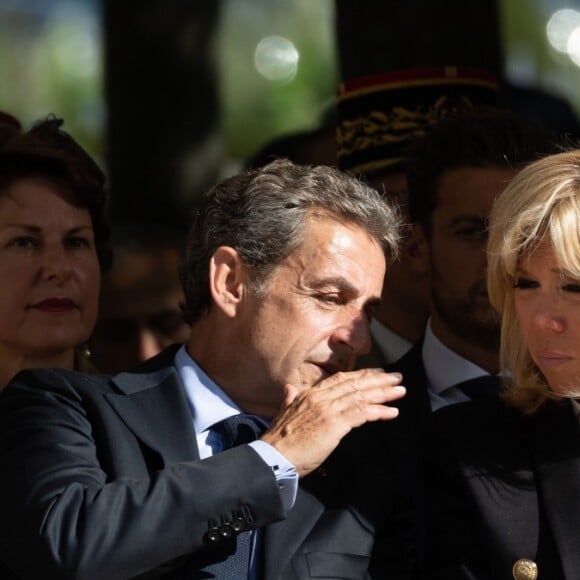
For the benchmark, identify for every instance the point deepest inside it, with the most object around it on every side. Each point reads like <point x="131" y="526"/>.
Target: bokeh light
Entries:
<point x="561" y="26"/>
<point x="574" y="47"/>
<point x="276" y="58"/>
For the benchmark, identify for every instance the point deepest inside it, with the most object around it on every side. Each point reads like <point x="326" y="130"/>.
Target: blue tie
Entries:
<point x="239" y="429"/>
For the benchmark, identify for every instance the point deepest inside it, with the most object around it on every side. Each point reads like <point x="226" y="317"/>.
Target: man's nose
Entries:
<point x="355" y="333"/>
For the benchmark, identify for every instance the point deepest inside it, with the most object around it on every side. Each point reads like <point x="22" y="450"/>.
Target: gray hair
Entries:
<point x="261" y="215"/>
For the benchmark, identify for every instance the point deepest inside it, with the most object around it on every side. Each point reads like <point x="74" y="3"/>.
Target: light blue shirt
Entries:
<point x="391" y="345"/>
<point x="444" y="369"/>
<point x="210" y="405"/>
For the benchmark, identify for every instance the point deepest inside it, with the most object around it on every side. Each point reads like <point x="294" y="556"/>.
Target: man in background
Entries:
<point x="141" y="297"/>
<point x="454" y="175"/>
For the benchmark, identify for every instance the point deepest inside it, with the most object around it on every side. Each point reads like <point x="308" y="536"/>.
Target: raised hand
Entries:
<point x="313" y="421"/>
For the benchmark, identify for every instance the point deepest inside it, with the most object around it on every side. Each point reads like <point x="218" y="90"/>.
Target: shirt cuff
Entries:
<point x="284" y="471"/>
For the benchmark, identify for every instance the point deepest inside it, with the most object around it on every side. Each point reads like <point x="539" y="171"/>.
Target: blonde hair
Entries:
<point x="542" y="203"/>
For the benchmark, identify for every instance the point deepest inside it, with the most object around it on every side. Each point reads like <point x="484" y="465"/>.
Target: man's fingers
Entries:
<point x="384" y="394"/>
<point x="372" y="385"/>
<point x="362" y="376"/>
<point x="381" y="413"/>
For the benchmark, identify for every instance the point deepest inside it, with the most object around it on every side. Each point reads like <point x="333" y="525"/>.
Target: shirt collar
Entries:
<point x="445" y="368"/>
<point x="391" y="345"/>
<point x="207" y="402"/>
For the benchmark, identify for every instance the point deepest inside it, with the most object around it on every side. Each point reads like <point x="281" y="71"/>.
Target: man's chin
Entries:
<point x="316" y="375"/>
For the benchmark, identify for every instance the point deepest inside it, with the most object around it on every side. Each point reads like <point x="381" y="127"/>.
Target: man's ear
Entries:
<point x="416" y="249"/>
<point x="226" y="279"/>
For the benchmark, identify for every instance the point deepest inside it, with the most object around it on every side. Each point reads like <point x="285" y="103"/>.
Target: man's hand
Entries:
<point x="313" y="421"/>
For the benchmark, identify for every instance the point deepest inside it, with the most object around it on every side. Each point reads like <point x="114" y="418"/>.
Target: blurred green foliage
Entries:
<point x="51" y="62"/>
<point x="254" y="109"/>
<point x="529" y="57"/>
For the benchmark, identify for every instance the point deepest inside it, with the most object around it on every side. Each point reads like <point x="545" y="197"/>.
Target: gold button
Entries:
<point x="525" y="570"/>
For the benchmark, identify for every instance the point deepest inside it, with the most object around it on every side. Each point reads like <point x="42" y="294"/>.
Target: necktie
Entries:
<point x="239" y="429"/>
<point x="231" y="560"/>
<point x="484" y="387"/>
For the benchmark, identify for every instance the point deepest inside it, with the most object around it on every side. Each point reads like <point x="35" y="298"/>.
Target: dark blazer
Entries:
<point x="503" y="486"/>
<point x="101" y="479"/>
<point x="414" y="407"/>
<point x="408" y="430"/>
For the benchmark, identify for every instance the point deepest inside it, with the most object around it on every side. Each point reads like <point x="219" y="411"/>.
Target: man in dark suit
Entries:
<point x="454" y="175"/>
<point x="236" y="455"/>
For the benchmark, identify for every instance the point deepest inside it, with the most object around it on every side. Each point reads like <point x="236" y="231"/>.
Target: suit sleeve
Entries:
<point x="62" y="515"/>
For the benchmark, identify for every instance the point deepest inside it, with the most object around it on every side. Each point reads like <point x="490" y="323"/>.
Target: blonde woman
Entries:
<point x="504" y="495"/>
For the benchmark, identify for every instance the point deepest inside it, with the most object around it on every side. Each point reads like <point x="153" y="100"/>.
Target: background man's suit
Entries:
<point x="504" y="486"/>
<point x="113" y="467"/>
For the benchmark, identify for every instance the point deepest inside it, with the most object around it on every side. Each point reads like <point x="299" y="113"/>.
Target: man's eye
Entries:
<point x="525" y="283"/>
<point x="572" y="287"/>
<point x="472" y="233"/>
<point x="331" y="298"/>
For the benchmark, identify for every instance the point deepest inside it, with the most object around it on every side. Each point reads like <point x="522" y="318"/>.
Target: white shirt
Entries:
<point x="391" y="345"/>
<point x="209" y="405"/>
<point x="444" y="369"/>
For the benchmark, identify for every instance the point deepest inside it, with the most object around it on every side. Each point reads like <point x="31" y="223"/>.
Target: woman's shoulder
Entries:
<point x="477" y="431"/>
<point x="475" y="414"/>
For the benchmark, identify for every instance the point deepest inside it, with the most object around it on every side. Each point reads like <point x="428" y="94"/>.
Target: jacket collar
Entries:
<point x="153" y="405"/>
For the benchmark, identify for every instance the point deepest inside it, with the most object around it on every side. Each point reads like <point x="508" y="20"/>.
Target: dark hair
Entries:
<point x="261" y="214"/>
<point x="49" y="152"/>
<point x="487" y="138"/>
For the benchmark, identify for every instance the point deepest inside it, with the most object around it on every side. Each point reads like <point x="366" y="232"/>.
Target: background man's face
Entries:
<point x="140" y="309"/>
<point x="456" y="249"/>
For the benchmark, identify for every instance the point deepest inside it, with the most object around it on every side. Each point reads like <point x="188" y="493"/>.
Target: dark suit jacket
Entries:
<point x="414" y="408"/>
<point x="101" y="480"/>
<point x="503" y="486"/>
<point x="408" y="430"/>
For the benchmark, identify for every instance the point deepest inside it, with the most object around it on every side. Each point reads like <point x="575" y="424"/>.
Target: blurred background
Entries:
<point x="170" y="95"/>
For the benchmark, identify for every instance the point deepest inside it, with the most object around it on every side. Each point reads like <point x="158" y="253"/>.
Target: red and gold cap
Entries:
<point x="380" y="116"/>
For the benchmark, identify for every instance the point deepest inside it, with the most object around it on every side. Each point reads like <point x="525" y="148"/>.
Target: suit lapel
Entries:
<point x="153" y="405"/>
<point x="415" y="404"/>
<point x="556" y="448"/>
<point x="282" y="539"/>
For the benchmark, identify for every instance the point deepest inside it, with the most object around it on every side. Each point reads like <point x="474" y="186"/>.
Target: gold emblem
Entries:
<point x="525" y="570"/>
